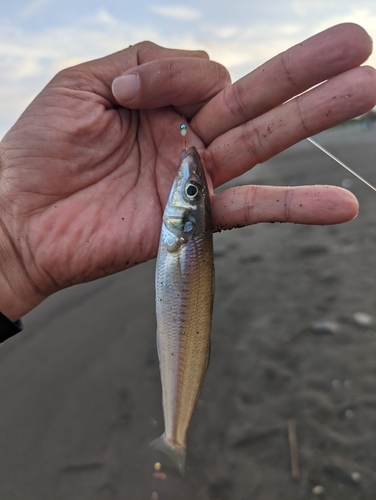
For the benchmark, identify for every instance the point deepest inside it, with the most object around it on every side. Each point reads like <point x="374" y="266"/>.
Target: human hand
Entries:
<point x="85" y="172"/>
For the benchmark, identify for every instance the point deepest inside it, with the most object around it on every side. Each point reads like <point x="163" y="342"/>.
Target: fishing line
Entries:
<point x="341" y="163"/>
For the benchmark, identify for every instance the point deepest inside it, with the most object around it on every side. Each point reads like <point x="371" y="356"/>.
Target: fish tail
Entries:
<point x="176" y="453"/>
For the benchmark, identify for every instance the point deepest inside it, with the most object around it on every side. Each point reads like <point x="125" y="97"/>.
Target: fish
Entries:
<point x="184" y="282"/>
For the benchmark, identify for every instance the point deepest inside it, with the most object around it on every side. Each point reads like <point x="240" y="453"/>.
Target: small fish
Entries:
<point x="184" y="301"/>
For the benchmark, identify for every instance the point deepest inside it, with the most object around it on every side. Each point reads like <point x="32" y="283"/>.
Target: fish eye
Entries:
<point x="191" y="191"/>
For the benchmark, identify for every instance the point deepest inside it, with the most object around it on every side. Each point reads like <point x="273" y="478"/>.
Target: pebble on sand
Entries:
<point x="347" y="183"/>
<point x="363" y="319"/>
<point x="325" y="326"/>
<point x="337" y="384"/>
<point x="318" y="490"/>
<point x="355" y="476"/>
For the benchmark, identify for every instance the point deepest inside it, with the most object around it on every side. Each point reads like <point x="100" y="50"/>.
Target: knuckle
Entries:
<point x="224" y="77"/>
<point x="250" y="133"/>
<point x="250" y="197"/>
<point x="287" y="205"/>
<point x="233" y="101"/>
<point x="287" y="69"/>
<point x="144" y="51"/>
<point x="301" y="115"/>
<point x="145" y="45"/>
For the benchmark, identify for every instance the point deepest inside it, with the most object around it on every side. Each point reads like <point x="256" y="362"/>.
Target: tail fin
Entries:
<point x="176" y="453"/>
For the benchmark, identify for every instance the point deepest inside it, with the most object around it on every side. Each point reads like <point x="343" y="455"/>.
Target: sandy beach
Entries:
<point x="80" y="396"/>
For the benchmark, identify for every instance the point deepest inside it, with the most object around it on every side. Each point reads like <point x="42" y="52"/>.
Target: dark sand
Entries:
<point x="80" y="392"/>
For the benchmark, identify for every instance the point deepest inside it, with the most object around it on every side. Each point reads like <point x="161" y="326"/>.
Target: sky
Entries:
<point x="40" y="37"/>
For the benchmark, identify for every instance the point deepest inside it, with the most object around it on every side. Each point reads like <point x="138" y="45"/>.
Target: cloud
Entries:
<point x="223" y="32"/>
<point x="362" y="16"/>
<point x="30" y="59"/>
<point x="177" y="12"/>
<point x="308" y="6"/>
<point x="33" y="7"/>
<point x="25" y="54"/>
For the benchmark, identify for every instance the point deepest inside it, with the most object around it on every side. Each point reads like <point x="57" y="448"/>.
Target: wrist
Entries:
<point x="18" y="295"/>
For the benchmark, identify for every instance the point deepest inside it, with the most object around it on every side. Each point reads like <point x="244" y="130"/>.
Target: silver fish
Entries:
<point x="184" y="301"/>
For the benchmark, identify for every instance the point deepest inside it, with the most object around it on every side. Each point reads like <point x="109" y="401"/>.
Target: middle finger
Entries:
<point x="290" y="73"/>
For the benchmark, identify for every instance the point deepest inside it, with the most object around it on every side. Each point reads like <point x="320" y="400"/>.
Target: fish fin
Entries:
<point x="176" y="453"/>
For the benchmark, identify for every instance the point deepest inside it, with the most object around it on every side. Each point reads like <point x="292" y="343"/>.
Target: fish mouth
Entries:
<point x="192" y="151"/>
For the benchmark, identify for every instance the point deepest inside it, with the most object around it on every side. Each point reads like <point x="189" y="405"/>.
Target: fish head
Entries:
<point x="187" y="213"/>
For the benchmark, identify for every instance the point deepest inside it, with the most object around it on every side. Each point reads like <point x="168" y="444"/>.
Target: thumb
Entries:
<point x="170" y="81"/>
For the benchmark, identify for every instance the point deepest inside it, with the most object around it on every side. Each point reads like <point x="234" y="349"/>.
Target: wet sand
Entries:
<point x="80" y="396"/>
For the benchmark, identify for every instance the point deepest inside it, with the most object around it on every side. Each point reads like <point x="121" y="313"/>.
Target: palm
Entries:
<point x="91" y="186"/>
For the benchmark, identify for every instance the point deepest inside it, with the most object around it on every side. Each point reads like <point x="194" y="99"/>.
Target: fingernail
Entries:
<point x="125" y="88"/>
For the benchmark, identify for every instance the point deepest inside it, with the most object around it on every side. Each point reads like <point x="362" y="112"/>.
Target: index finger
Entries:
<point x="290" y="73"/>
